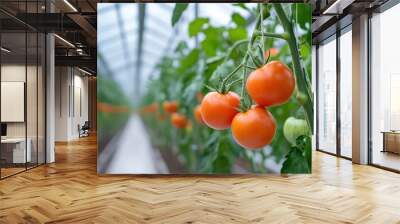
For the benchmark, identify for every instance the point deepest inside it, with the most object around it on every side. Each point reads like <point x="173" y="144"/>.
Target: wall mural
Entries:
<point x="204" y="88"/>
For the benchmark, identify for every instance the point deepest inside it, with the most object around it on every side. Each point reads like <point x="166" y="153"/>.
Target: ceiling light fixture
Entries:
<point x="70" y="5"/>
<point x="84" y="71"/>
<point x="5" y="50"/>
<point x="65" y="41"/>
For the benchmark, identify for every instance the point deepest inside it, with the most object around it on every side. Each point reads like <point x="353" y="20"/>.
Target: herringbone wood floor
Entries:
<point x="70" y="191"/>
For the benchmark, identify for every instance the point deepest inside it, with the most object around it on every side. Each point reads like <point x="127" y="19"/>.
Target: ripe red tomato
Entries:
<point x="179" y="120"/>
<point x="197" y="114"/>
<point x="254" y="128"/>
<point x="218" y="110"/>
<point x="170" y="106"/>
<point x="271" y="85"/>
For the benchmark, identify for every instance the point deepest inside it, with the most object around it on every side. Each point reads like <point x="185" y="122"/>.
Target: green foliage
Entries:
<point x="302" y="14"/>
<point x="298" y="160"/>
<point x="110" y="93"/>
<point x="178" y="11"/>
<point x="212" y="41"/>
<point x="238" y="19"/>
<point x="236" y="34"/>
<point x="197" y="25"/>
<point x="189" y="60"/>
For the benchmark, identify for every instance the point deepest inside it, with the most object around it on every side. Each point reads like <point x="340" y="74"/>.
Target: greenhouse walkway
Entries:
<point x="135" y="154"/>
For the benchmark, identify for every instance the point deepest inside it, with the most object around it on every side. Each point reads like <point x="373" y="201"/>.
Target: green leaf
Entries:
<point x="181" y="46"/>
<point x="214" y="60"/>
<point x="298" y="160"/>
<point x="209" y="47"/>
<point x="223" y="162"/>
<point x="303" y="14"/>
<point x="212" y="41"/>
<point x="197" y="25"/>
<point x="307" y="149"/>
<point x="177" y="13"/>
<point x="238" y="33"/>
<point x="221" y="71"/>
<point x="295" y="162"/>
<point x="221" y="165"/>
<point x="189" y="60"/>
<point x="238" y="19"/>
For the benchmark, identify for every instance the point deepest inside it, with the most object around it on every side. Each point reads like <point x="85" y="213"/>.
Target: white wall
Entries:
<point x="33" y="126"/>
<point x="17" y="73"/>
<point x="71" y="93"/>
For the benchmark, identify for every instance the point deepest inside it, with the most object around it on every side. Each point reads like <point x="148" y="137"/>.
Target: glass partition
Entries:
<point x="327" y="96"/>
<point x="22" y="78"/>
<point x="385" y="89"/>
<point x="41" y="91"/>
<point x="13" y="110"/>
<point x="31" y="99"/>
<point x="346" y="93"/>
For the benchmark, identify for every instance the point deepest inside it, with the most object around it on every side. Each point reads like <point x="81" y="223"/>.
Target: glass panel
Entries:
<point x="32" y="90"/>
<point x="327" y="97"/>
<point x="13" y="87"/>
<point x="346" y="94"/>
<point x="31" y="98"/>
<point x="41" y="99"/>
<point x="385" y="84"/>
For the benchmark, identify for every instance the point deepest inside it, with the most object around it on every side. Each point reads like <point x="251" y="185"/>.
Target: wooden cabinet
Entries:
<point x="391" y="142"/>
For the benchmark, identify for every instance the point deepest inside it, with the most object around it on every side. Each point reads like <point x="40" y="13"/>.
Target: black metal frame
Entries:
<point x="36" y="164"/>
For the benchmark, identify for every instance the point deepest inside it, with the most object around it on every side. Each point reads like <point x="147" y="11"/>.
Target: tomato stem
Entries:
<point x="301" y="78"/>
<point x="244" y="76"/>
<point x="273" y="35"/>
<point x="255" y="61"/>
<point x="209" y="87"/>
<point x="225" y="80"/>
<point x="233" y="83"/>
<point x="250" y="67"/>
<point x="244" y="106"/>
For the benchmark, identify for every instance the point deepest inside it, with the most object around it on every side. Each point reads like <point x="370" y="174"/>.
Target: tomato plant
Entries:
<point x="251" y="78"/>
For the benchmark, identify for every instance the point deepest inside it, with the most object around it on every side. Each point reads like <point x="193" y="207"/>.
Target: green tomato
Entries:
<point x="294" y="128"/>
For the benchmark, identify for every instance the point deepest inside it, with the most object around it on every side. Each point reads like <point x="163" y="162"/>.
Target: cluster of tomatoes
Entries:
<point x="254" y="128"/>
<point x="270" y="85"/>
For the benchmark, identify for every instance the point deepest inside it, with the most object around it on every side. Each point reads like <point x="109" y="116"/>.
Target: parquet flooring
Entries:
<point x="70" y="191"/>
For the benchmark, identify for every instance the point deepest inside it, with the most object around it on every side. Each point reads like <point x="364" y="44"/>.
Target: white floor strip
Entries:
<point x="135" y="154"/>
